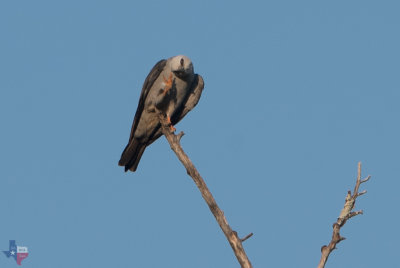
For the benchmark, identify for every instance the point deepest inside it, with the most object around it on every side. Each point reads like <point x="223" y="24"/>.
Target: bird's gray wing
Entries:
<point x="133" y="151"/>
<point x="148" y="83"/>
<point x="192" y="99"/>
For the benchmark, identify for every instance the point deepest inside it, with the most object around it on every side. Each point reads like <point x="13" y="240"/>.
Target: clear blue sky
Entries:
<point x="297" y="92"/>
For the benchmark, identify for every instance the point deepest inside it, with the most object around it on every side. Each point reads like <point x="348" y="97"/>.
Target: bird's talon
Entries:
<point x="171" y="127"/>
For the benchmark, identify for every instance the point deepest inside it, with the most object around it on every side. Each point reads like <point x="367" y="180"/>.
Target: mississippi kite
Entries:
<point x="171" y="87"/>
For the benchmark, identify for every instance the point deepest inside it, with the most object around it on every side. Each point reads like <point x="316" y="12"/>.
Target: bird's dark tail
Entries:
<point x="131" y="155"/>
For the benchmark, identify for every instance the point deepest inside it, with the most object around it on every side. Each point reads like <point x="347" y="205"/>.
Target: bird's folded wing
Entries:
<point x="192" y="99"/>
<point x="147" y="85"/>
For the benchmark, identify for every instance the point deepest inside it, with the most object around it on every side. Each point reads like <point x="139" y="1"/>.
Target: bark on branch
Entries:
<point x="234" y="240"/>
<point x="345" y="214"/>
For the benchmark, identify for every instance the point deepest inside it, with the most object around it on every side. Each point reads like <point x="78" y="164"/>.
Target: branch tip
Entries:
<point x="355" y="213"/>
<point x="361" y="193"/>
<point x="366" y="179"/>
<point x="246" y="237"/>
<point x="180" y="135"/>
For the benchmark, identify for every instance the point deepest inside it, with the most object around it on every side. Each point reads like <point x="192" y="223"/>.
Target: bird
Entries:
<point x="171" y="88"/>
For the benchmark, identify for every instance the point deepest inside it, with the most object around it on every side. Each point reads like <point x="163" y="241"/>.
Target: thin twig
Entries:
<point x="345" y="214"/>
<point x="246" y="237"/>
<point x="234" y="240"/>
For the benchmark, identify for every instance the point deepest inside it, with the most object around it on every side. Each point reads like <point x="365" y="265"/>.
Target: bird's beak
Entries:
<point x="180" y="73"/>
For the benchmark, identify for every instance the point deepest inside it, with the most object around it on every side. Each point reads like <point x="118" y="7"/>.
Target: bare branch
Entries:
<point x="345" y="214"/>
<point x="246" y="237"/>
<point x="355" y="213"/>
<point x="179" y="136"/>
<point x="234" y="240"/>
<point x="363" y="192"/>
<point x="366" y="179"/>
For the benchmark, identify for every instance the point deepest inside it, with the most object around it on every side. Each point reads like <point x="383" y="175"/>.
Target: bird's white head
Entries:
<point x="181" y="66"/>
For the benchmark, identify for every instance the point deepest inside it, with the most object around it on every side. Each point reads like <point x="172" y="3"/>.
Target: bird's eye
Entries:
<point x="182" y="61"/>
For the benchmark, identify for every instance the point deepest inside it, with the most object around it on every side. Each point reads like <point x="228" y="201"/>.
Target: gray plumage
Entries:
<point x="171" y="87"/>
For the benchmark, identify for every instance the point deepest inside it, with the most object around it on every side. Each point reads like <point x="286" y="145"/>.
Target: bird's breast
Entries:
<point x="178" y="94"/>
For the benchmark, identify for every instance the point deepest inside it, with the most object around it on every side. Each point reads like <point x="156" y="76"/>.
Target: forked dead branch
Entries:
<point x="345" y="215"/>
